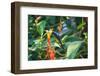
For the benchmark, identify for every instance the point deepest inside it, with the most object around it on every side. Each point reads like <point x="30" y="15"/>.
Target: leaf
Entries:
<point x="41" y="27"/>
<point x="67" y="44"/>
<point x="30" y="42"/>
<point x="64" y="38"/>
<point x="51" y="20"/>
<point x="56" y="45"/>
<point x="70" y="38"/>
<point x="30" y="19"/>
<point x="72" y="49"/>
<point x="81" y="24"/>
<point x="32" y="55"/>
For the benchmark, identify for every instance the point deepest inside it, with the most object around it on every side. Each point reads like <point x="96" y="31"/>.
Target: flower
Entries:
<point x="52" y="55"/>
<point x="50" y="51"/>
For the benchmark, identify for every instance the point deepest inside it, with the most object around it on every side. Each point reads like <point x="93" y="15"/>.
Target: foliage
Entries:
<point x="68" y="37"/>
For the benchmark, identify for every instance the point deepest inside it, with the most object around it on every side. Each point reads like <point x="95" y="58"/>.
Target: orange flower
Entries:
<point x="48" y="38"/>
<point x="49" y="35"/>
<point x="52" y="55"/>
<point x="50" y="51"/>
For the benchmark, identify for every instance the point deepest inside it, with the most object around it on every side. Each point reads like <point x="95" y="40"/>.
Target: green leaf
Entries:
<point x="41" y="27"/>
<point x="73" y="49"/>
<point x="51" y="20"/>
<point x="70" y="38"/>
<point x="81" y="25"/>
<point x="66" y="44"/>
<point x="64" y="38"/>
<point x="56" y="45"/>
<point x="32" y="55"/>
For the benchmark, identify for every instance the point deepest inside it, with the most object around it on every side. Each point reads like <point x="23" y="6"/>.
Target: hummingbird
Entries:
<point x="57" y="36"/>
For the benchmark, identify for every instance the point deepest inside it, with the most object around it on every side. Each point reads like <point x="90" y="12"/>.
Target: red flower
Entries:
<point x="50" y="51"/>
<point x="52" y="55"/>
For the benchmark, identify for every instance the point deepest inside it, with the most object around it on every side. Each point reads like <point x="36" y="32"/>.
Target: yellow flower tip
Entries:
<point x="48" y="35"/>
<point x="49" y="32"/>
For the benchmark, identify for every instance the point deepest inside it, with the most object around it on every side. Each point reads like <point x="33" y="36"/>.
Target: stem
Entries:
<point x="59" y="53"/>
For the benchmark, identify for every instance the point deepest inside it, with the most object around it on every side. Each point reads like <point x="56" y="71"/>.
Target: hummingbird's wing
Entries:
<point x="58" y="38"/>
